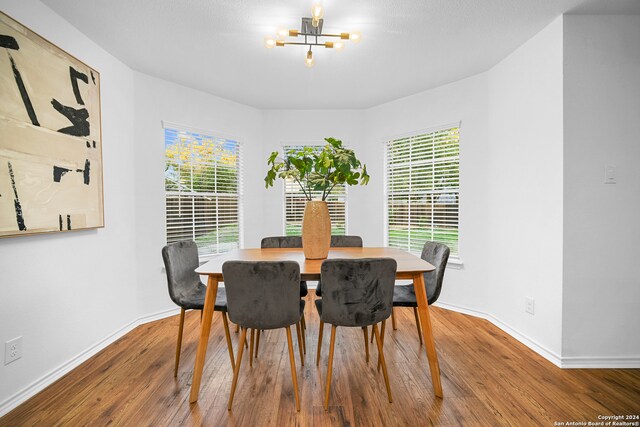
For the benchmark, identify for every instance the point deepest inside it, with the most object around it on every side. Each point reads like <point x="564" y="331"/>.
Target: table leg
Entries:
<point x="427" y="332"/>
<point x="205" y="329"/>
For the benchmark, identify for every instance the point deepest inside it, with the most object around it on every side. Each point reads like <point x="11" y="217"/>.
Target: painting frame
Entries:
<point x="63" y="127"/>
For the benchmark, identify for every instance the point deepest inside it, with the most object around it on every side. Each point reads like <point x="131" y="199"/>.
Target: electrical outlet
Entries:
<point x="12" y="350"/>
<point x="529" y="305"/>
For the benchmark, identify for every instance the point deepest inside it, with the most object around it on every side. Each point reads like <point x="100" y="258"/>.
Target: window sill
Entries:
<point x="455" y="263"/>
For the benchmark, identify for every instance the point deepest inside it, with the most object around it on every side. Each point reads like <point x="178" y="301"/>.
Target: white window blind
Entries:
<point x="422" y="185"/>
<point x="294" y="203"/>
<point x="203" y="188"/>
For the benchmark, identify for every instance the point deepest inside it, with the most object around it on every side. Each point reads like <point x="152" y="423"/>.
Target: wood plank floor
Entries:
<point x="488" y="379"/>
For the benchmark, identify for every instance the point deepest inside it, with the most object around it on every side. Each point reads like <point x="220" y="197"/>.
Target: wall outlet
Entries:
<point x="529" y="305"/>
<point x="12" y="350"/>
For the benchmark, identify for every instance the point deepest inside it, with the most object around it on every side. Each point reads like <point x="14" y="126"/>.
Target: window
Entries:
<point x="422" y="189"/>
<point x="294" y="202"/>
<point x="203" y="189"/>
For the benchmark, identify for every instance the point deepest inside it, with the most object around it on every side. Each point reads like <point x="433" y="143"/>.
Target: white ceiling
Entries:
<point x="217" y="45"/>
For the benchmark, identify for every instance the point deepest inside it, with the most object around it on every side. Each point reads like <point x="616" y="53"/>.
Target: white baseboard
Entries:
<point x="584" y="362"/>
<point x="601" y="362"/>
<point x="45" y="381"/>
<point x="532" y="344"/>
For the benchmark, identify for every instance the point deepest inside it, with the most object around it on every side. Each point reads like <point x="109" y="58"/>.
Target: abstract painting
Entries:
<point x="50" y="137"/>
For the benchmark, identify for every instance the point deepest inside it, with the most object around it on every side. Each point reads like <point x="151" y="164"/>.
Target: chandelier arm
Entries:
<point x="303" y="44"/>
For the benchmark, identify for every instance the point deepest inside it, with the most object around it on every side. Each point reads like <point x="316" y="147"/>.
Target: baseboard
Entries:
<point x="598" y="362"/>
<point x="57" y="373"/>
<point x="532" y="344"/>
<point x="159" y="315"/>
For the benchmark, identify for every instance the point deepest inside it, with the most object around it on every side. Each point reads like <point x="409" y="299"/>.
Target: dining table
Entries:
<point x="410" y="267"/>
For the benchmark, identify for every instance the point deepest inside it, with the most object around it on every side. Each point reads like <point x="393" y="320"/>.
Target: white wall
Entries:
<point x="524" y="198"/>
<point x="157" y="100"/>
<point x="601" y="227"/>
<point x="464" y="101"/>
<point x="64" y="293"/>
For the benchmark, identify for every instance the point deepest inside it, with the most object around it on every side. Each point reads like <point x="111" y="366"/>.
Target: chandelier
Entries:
<point x="311" y="31"/>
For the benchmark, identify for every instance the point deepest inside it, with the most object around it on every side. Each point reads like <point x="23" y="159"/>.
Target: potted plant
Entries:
<point x="317" y="172"/>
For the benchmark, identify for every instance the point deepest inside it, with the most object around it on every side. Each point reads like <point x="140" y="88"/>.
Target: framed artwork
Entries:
<point x="50" y="137"/>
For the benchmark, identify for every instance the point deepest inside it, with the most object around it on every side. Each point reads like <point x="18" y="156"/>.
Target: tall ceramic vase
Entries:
<point x="316" y="230"/>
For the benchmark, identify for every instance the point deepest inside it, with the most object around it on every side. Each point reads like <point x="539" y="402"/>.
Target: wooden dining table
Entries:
<point x="410" y="267"/>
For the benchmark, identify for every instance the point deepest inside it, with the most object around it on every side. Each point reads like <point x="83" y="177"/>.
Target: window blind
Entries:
<point x="294" y="203"/>
<point x="422" y="186"/>
<point x="203" y="189"/>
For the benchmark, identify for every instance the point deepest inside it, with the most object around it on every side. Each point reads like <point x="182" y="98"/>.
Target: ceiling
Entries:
<point x="217" y="45"/>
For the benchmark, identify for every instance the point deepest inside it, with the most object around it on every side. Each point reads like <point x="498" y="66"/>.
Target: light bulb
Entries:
<point x="282" y="32"/>
<point x="338" y="45"/>
<point x="309" y="60"/>
<point x="316" y="14"/>
<point x="355" y="37"/>
<point x="269" y="42"/>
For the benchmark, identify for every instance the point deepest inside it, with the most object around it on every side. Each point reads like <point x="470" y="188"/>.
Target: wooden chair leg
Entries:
<point x="384" y="364"/>
<point x="384" y="324"/>
<point x="292" y="362"/>
<point x="300" y="344"/>
<point x="372" y="336"/>
<point x="237" y="328"/>
<point x="257" y="342"/>
<point x="236" y="371"/>
<point x="319" y="342"/>
<point x="201" y="311"/>
<point x="365" y="332"/>
<point x="393" y="319"/>
<point x="330" y="367"/>
<point x="253" y="341"/>
<point x="179" y="345"/>
<point x="228" y="337"/>
<point x="415" y="313"/>
<point x="303" y="331"/>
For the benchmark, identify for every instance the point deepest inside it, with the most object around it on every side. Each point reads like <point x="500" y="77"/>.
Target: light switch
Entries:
<point x="610" y="174"/>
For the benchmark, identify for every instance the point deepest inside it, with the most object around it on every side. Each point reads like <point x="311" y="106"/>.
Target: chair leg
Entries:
<point x="330" y="366"/>
<point x="415" y="313"/>
<point x="179" y="345"/>
<point x="384" y="323"/>
<point x="372" y="336"/>
<point x="253" y="340"/>
<point x="257" y="342"/>
<point x="365" y="332"/>
<point x="292" y="362"/>
<point x="236" y="371"/>
<point x="303" y="331"/>
<point x="228" y="337"/>
<point x="201" y="311"/>
<point x="300" y="344"/>
<point x="237" y="328"/>
<point x="319" y="342"/>
<point x="393" y="319"/>
<point x="384" y="364"/>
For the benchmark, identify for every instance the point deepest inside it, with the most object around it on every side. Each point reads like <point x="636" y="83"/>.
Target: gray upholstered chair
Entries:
<point x="341" y="242"/>
<point x="436" y="254"/>
<point x="357" y="293"/>
<point x="287" y="242"/>
<point x="263" y="295"/>
<point x="187" y="291"/>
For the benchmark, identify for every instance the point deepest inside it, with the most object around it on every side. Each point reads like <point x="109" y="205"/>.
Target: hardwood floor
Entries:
<point x="488" y="379"/>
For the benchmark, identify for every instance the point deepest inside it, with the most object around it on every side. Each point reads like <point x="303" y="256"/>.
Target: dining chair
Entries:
<point x="187" y="291"/>
<point x="287" y="242"/>
<point x="358" y="293"/>
<point x="263" y="295"/>
<point x="341" y="242"/>
<point x="436" y="254"/>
